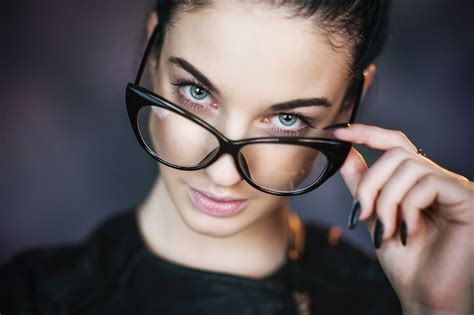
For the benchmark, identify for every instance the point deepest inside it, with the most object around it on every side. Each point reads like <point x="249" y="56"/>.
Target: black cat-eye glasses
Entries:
<point x="181" y="139"/>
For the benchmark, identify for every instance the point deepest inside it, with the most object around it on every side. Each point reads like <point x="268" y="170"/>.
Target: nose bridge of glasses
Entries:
<point x="228" y="150"/>
<point x="233" y="124"/>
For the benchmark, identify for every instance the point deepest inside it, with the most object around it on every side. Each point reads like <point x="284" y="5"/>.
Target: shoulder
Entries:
<point x="342" y="271"/>
<point x="35" y="278"/>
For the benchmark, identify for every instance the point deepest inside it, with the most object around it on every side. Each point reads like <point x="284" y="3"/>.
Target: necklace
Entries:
<point x="295" y="252"/>
<point x="297" y="236"/>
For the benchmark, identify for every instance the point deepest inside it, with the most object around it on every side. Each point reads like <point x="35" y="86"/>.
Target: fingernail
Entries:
<point x="378" y="233"/>
<point x="354" y="214"/>
<point x="403" y="233"/>
<point x="335" y="126"/>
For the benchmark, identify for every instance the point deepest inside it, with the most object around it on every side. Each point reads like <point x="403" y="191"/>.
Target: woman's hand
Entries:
<point x="434" y="272"/>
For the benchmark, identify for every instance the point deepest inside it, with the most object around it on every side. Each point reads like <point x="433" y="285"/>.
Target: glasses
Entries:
<point x="186" y="140"/>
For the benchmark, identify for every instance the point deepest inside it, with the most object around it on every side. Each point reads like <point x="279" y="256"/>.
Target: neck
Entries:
<point x="254" y="252"/>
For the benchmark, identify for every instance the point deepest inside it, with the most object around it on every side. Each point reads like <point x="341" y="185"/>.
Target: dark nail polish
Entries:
<point x="403" y="233"/>
<point x="354" y="215"/>
<point x="378" y="233"/>
<point x="335" y="126"/>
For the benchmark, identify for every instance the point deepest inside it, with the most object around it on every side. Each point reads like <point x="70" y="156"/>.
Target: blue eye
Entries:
<point x="289" y="124"/>
<point x="197" y="92"/>
<point x="193" y="95"/>
<point x="287" y="121"/>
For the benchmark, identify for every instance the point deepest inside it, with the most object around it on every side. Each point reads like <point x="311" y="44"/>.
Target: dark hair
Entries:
<point x="363" y="23"/>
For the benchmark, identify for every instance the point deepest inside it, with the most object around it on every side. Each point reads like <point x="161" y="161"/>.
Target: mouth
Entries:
<point x="222" y="207"/>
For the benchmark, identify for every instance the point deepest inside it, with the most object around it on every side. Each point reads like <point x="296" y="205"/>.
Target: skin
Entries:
<point x="253" y="243"/>
<point x="433" y="273"/>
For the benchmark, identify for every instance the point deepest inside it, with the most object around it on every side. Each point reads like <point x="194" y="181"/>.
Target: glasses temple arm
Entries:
<point x="149" y="47"/>
<point x="360" y="88"/>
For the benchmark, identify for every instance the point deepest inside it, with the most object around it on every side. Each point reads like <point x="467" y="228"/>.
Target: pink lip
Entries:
<point x="217" y="207"/>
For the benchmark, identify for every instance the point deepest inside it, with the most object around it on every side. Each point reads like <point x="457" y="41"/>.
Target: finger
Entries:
<point x="437" y="189"/>
<point x="375" y="137"/>
<point x="421" y="196"/>
<point x="376" y="177"/>
<point x="404" y="177"/>
<point x="353" y="170"/>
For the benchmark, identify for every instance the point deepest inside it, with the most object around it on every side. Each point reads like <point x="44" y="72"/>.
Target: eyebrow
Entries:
<point x="187" y="66"/>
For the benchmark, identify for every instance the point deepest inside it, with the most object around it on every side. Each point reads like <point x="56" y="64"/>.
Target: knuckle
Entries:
<point x="407" y="203"/>
<point x="409" y="164"/>
<point x="400" y="135"/>
<point x="429" y="179"/>
<point x="396" y="151"/>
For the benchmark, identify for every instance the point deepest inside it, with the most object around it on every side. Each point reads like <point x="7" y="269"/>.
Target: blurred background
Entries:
<point x="69" y="158"/>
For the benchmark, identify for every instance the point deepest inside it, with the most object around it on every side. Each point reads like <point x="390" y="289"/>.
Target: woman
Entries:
<point x="216" y="233"/>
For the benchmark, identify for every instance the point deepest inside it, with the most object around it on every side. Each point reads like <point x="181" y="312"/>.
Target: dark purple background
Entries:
<point x="69" y="158"/>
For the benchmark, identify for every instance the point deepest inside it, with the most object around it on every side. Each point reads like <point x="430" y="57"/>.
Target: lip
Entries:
<point x="216" y="206"/>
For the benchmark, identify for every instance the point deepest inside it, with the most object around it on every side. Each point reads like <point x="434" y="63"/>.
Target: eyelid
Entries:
<point x="184" y="82"/>
<point x="192" y="81"/>
<point x="308" y="121"/>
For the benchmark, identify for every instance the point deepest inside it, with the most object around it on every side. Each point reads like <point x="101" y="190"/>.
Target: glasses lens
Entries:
<point x="282" y="167"/>
<point x="174" y="138"/>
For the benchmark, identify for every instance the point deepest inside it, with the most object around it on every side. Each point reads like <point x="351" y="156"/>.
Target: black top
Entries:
<point x="112" y="272"/>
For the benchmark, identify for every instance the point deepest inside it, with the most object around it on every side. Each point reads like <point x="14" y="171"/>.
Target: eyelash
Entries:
<point x="184" y="82"/>
<point x="307" y="122"/>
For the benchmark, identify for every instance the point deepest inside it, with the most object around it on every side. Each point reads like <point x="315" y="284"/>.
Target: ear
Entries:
<point x="152" y="21"/>
<point x="369" y="75"/>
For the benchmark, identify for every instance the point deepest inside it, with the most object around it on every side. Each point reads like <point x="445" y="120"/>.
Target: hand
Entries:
<point x="433" y="273"/>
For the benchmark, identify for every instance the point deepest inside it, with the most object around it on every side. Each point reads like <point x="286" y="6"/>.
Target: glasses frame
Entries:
<point x="138" y="97"/>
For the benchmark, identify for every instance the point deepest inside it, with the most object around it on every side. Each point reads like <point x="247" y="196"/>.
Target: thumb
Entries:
<point x="353" y="169"/>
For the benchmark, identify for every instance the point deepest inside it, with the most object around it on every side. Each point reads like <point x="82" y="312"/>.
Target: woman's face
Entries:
<point x="250" y="57"/>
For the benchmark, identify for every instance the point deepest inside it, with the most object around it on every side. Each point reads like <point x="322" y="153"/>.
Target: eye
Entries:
<point x="193" y="95"/>
<point x="196" y="92"/>
<point x="287" y="121"/>
<point x="288" y="124"/>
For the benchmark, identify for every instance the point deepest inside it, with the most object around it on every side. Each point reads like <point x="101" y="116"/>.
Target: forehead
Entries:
<point x="257" y="49"/>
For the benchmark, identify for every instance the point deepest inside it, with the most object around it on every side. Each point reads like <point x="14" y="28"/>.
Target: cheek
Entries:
<point x="171" y="177"/>
<point x="179" y="140"/>
<point x="283" y="167"/>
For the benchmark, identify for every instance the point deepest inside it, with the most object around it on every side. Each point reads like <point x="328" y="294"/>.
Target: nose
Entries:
<point x="223" y="172"/>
